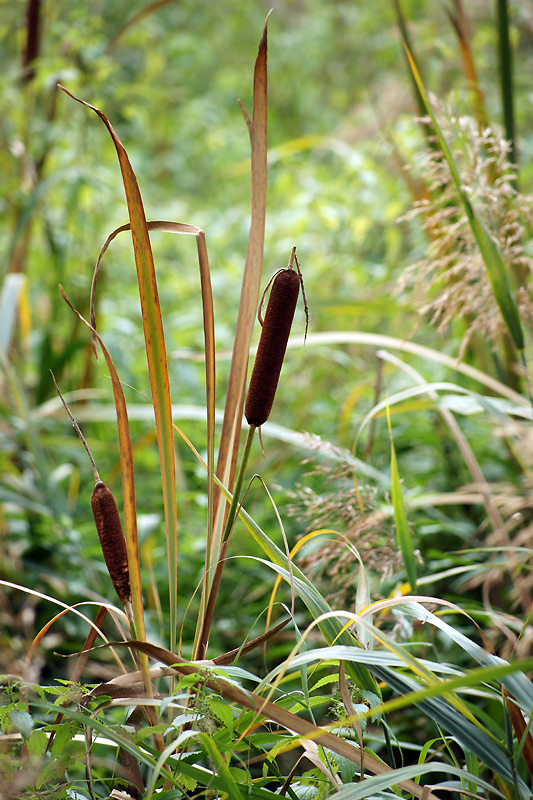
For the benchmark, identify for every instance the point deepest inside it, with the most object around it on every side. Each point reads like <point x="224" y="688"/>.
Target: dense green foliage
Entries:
<point x="390" y="246"/>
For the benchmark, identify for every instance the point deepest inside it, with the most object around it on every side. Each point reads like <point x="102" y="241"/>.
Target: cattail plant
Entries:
<point x="272" y="346"/>
<point x="108" y="526"/>
<point x="112" y="541"/>
<point x="276" y="324"/>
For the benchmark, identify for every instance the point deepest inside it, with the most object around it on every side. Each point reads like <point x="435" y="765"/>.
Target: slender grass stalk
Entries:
<point x="506" y="75"/>
<point x="404" y="33"/>
<point x="402" y="529"/>
<point x="460" y="25"/>
<point x="228" y="527"/>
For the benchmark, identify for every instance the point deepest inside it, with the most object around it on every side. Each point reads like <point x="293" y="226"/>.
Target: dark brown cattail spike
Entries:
<point x="272" y="346"/>
<point x="109" y="528"/>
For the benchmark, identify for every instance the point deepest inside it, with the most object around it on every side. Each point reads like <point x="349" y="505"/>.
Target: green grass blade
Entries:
<point x="222" y="770"/>
<point x="402" y="528"/>
<point x="404" y="33"/>
<point x="369" y="787"/>
<point x="419" y="350"/>
<point x="506" y="74"/>
<point x="516" y="683"/>
<point x="492" y="256"/>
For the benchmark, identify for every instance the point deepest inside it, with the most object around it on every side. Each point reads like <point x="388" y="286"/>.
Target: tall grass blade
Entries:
<point x="371" y="787"/>
<point x="156" y="356"/>
<point x="492" y="256"/>
<point x="516" y="682"/>
<point x="221" y="768"/>
<point x="404" y="33"/>
<point x="405" y="346"/>
<point x="400" y="518"/>
<point x="231" y="426"/>
<point x="209" y="341"/>
<point x="506" y="74"/>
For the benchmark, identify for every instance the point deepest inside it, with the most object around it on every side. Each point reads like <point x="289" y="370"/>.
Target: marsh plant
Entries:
<point x="381" y="601"/>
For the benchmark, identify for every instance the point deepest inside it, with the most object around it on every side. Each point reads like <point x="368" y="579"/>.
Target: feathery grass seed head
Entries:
<point x="272" y="346"/>
<point x="451" y="280"/>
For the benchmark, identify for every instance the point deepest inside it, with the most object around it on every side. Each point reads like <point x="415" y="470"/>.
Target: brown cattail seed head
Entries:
<point x="112" y="540"/>
<point x="272" y="346"/>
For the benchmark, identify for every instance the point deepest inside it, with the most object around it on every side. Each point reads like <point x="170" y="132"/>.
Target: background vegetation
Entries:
<point x="358" y="183"/>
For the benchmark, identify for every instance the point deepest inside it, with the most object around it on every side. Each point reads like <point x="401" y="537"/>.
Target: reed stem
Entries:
<point x="228" y="527"/>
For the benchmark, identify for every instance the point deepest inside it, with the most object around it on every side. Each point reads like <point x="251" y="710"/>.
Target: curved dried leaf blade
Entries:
<point x="231" y="427"/>
<point x="128" y="479"/>
<point x="156" y="355"/>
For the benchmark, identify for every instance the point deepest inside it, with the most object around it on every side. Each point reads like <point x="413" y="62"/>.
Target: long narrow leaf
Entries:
<point x="209" y="338"/>
<point x="231" y="426"/>
<point x="460" y="25"/>
<point x="156" y="356"/>
<point x="371" y="786"/>
<point x="128" y="481"/>
<point x="400" y="519"/>
<point x="506" y="74"/>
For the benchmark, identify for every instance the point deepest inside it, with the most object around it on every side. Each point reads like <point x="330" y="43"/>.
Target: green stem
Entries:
<point x="506" y="75"/>
<point x="228" y="527"/>
<point x="232" y="513"/>
<point x="526" y="375"/>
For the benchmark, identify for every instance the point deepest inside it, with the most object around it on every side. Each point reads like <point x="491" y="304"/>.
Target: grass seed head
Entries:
<point x="109" y="528"/>
<point x="272" y="346"/>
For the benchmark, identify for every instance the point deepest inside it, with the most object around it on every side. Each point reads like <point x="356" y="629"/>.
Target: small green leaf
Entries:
<point x="22" y="722"/>
<point x="221" y="711"/>
<point x="221" y="767"/>
<point x="65" y="732"/>
<point x="36" y="743"/>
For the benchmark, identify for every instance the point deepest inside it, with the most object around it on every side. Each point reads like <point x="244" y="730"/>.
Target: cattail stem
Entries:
<point x="228" y="527"/>
<point x="238" y="485"/>
<point x="261" y="391"/>
<point x="76" y="428"/>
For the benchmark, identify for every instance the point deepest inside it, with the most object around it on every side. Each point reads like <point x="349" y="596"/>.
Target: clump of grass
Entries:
<point x="356" y="531"/>
<point x="450" y="282"/>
